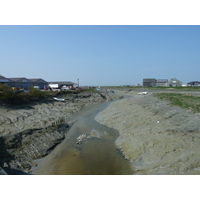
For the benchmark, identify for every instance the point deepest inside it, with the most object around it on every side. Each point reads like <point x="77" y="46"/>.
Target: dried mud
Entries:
<point x="155" y="137"/>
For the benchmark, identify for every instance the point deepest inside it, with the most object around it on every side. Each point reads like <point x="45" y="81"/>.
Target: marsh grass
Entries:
<point x="182" y="100"/>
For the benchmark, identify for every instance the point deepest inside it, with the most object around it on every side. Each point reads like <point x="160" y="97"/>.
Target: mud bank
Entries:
<point x="88" y="149"/>
<point x="155" y="137"/>
<point x="31" y="132"/>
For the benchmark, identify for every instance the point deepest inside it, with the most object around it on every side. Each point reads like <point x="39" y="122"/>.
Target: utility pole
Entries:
<point x="78" y="82"/>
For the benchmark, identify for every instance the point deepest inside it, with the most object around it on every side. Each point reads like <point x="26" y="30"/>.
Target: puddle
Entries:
<point x="96" y="154"/>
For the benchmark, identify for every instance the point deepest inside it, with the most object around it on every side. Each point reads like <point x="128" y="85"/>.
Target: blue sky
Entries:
<point x="100" y="55"/>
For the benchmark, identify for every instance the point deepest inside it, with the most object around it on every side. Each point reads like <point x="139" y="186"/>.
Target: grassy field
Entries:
<point x="186" y="101"/>
<point x="152" y="88"/>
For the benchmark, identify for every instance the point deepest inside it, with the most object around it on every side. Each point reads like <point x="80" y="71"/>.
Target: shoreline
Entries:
<point x="57" y="150"/>
<point x="32" y="132"/>
<point x="155" y="137"/>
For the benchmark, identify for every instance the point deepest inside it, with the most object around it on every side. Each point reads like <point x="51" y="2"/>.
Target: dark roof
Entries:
<point x="193" y="82"/>
<point x="19" y="79"/>
<point x="37" y="80"/>
<point x="4" y="79"/>
<point x="2" y="76"/>
<point x="151" y="80"/>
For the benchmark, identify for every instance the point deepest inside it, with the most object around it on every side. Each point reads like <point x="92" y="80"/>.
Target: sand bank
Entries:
<point x="154" y="136"/>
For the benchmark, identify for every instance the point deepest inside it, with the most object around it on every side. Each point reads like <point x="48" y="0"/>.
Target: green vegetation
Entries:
<point x="174" y="88"/>
<point x="153" y="88"/>
<point x="182" y="100"/>
<point x="5" y="92"/>
<point x="69" y="92"/>
<point x="9" y="96"/>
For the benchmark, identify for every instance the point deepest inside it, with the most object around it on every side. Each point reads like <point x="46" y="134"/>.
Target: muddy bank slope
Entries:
<point x="155" y="137"/>
<point x="32" y="131"/>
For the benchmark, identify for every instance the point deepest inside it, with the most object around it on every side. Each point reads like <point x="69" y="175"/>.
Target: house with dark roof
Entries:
<point x="21" y="82"/>
<point x="194" y="84"/>
<point x="39" y="82"/>
<point x="149" y="82"/>
<point x="4" y="80"/>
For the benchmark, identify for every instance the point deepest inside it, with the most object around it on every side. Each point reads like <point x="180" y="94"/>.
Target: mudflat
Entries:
<point x="30" y="132"/>
<point x="156" y="137"/>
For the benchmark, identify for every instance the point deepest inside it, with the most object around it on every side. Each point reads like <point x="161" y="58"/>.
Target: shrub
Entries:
<point x="6" y="92"/>
<point x="34" y="92"/>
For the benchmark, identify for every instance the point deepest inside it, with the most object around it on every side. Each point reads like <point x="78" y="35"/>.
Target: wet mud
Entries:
<point x="96" y="154"/>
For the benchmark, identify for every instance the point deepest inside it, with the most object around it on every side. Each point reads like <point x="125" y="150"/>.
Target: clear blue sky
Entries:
<point x="100" y="55"/>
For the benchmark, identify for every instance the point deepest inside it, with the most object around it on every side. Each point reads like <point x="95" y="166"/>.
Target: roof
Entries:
<point x="193" y="82"/>
<point x="62" y="82"/>
<point x="19" y="79"/>
<point x="161" y="80"/>
<point x="149" y="80"/>
<point x="37" y="80"/>
<point x="4" y="79"/>
<point x="2" y="76"/>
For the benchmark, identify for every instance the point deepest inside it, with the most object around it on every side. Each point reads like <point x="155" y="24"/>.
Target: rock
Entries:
<point x="2" y="172"/>
<point x="81" y="138"/>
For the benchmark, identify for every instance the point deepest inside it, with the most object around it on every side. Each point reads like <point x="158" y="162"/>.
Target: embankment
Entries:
<point x="32" y="131"/>
<point x="155" y="137"/>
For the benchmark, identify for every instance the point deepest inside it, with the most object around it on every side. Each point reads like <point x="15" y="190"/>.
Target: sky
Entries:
<point x="100" y="55"/>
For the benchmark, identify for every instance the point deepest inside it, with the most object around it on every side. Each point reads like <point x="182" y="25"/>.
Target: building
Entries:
<point x="174" y="83"/>
<point x="25" y="83"/>
<point x="194" y="84"/>
<point x="161" y="82"/>
<point x="61" y="85"/>
<point x="6" y="81"/>
<point x="39" y="83"/>
<point x="152" y="82"/>
<point x="149" y="82"/>
<point x="21" y="82"/>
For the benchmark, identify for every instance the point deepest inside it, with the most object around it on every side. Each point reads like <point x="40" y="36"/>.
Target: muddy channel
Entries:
<point x="95" y="154"/>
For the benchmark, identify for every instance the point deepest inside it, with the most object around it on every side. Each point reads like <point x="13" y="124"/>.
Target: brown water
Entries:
<point x="96" y="155"/>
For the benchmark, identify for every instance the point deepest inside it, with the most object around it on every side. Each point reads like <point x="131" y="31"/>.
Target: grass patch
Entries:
<point x="182" y="100"/>
<point x="174" y="88"/>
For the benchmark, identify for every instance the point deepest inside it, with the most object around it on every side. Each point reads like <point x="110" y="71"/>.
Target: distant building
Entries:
<point x="25" y="83"/>
<point x="149" y="82"/>
<point x="152" y="82"/>
<point x="161" y="82"/>
<point x="194" y="84"/>
<point x="6" y="81"/>
<point x="62" y="85"/>
<point x="39" y="82"/>
<point x="174" y="83"/>
<point x="21" y="82"/>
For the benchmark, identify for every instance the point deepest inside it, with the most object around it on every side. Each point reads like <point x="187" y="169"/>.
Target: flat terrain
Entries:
<point x="156" y="136"/>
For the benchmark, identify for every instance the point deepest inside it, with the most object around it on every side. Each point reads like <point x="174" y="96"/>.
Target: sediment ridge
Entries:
<point x="29" y="132"/>
<point x="155" y="137"/>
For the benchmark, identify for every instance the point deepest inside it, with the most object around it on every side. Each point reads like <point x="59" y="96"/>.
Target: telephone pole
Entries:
<point x="78" y="82"/>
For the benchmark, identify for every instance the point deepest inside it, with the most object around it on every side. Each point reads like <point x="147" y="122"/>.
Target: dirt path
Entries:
<point x="154" y="136"/>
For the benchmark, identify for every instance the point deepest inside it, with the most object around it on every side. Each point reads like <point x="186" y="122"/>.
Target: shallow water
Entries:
<point x="96" y="155"/>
